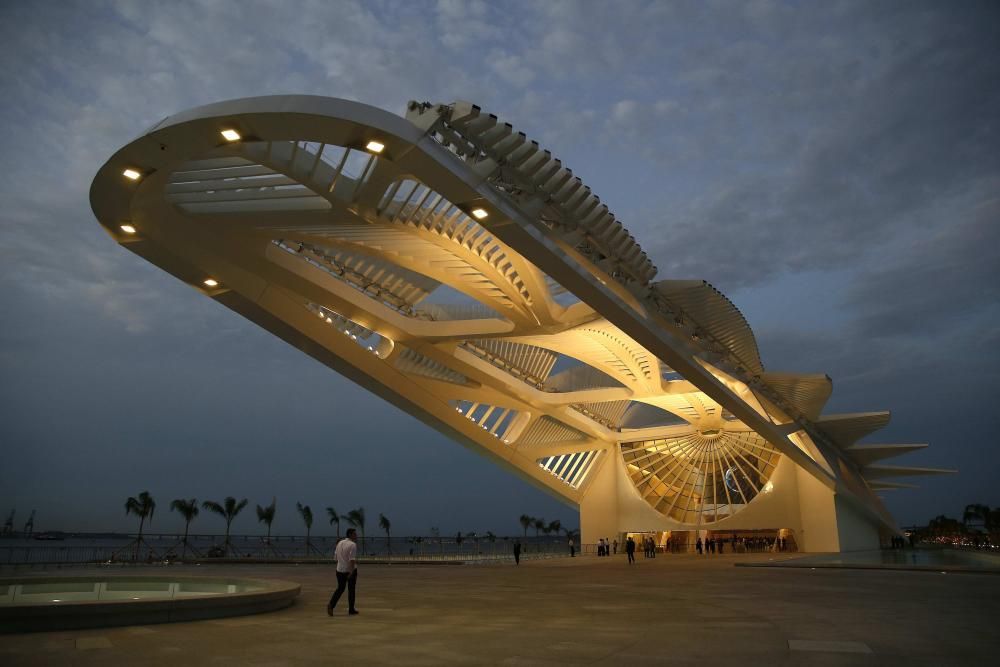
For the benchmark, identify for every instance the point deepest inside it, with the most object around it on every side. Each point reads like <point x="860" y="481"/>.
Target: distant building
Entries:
<point x="449" y="264"/>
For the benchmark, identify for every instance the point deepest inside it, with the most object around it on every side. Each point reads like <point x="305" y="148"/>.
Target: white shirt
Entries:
<point x="346" y="552"/>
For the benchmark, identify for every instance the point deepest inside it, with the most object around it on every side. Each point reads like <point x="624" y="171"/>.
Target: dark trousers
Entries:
<point x="348" y="581"/>
<point x="631" y="556"/>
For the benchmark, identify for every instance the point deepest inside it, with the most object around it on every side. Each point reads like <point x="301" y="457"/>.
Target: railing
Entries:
<point x="251" y="549"/>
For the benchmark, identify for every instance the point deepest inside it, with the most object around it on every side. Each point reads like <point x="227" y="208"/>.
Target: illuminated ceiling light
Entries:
<point x="132" y="174"/>
<point x="231" y="135"/>
<point x="128" y="229"/>
<point x="479" y="213"/>
<point x="211" y="282"/>
<point x="375" y="146"/>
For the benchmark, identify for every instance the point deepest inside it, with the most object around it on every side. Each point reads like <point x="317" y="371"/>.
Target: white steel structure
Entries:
<point x="450" y="265"/>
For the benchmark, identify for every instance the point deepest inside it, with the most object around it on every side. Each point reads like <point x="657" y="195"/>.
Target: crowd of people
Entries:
<point x="898" y="542"/>
<point x="751" y="544"/>
<point x="606" y="547"/>
<point x="709" y="545"/>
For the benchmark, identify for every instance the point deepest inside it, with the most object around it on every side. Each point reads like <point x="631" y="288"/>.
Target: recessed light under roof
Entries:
<point x="230" y="135"/>
<point x="375" y="146"/>
<point x="479" y="213"/>
<point x="132" y="174"/>
<point x="211" y="282"/>
<point x="128" y="229"/>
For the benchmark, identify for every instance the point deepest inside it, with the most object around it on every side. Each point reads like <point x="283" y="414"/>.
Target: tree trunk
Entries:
<point x="138" y="539"/>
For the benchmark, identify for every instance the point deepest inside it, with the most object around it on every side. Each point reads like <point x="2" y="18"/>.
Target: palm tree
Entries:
<point x="228" y="511"/>
<point x="307" y="518"/>
<point x="526" y="522"/>
<point x="265" y="515"/>
<point x="539" y="525"/>
<point x="356" y="518"/>
<point x="334" y="519"/>
<point x="142" y="507"/>
<point x="384" y="524"/>
<point x="491" y="538"/>
<point x="189" y="510"/>
<point x="554" y="527"/>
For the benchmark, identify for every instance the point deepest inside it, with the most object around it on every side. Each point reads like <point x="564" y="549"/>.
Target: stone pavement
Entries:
<point x="678" y="610"/>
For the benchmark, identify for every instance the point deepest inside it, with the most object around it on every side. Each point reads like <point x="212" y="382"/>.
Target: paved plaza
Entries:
<point x="679" y="610"/>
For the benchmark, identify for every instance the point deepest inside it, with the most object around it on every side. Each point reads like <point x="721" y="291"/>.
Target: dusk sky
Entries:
<point x="832" y="167"/>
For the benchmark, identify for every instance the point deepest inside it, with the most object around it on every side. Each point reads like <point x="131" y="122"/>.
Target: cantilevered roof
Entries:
<point x="459" y="270"/>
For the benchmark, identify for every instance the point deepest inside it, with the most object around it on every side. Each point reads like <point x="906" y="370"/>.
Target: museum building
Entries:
<point x="454" y="267"/>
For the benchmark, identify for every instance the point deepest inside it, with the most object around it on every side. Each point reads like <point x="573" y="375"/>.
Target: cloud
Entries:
<point x="755" y="147"/>
<point x="947" y="279"/>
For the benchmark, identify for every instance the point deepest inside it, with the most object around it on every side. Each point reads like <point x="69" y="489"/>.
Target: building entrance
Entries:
<point x="775" y="540"/>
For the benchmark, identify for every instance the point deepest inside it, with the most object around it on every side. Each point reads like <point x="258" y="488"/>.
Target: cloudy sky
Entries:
<point x="833" y="167"/>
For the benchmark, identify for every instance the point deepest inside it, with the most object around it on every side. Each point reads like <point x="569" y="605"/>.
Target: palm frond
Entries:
<point x="306" y="512"/>
<point x="213" y="506"/>
<point x="186" y="508"/>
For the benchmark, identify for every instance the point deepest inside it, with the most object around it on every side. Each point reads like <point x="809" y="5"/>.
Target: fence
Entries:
<point x="251" y="549"/>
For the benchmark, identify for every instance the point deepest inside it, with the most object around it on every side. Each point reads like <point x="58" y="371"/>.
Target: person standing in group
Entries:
<point x="346" y="555"/>
<point x="697" y="545"/>
<point x="517" y="552"/>
<point x="630" y="550"/>
<point x="614" y="547"/>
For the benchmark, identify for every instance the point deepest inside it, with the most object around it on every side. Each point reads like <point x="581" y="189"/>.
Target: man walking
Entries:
<point x="517" y="552"/>
<point x="630" y="550"/>
<point x="346" y="555"/>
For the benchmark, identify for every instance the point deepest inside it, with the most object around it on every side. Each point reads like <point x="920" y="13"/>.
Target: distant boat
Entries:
<point x="50" y="536"/>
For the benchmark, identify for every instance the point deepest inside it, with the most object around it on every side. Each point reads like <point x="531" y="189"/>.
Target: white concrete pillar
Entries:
<point x="599" y="508"/>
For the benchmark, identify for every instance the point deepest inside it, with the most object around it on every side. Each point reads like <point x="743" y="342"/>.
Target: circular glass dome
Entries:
<point x="703" y="476"/>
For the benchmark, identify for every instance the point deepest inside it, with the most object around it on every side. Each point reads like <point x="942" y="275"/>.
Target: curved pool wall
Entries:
<point x="72" y="602"/>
